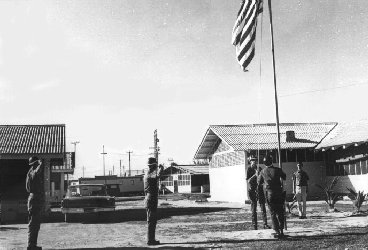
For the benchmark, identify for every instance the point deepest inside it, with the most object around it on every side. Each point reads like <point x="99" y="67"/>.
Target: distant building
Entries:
<point x="17" y="144"/>
<point x="118" y="186"/>
<point x="227" y="147"/>
<point x="186" y="179"/>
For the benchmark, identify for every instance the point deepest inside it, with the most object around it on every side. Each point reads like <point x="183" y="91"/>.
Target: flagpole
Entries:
<point x="276" y="102"/>
<point x="275" y="86"/>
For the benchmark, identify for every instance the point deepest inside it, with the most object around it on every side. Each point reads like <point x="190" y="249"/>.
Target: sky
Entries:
<point x="113" y="71"/>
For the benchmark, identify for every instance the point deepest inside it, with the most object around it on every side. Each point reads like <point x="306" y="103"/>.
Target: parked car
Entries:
<point x="86" y="198"/>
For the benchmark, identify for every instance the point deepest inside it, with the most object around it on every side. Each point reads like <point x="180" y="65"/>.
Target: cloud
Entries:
<point x="46" y="85"/>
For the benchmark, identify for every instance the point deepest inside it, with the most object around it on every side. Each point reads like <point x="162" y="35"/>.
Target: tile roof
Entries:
<point x="262" y="136"/>
<point x="345" y="134"/>
<point x="32" y="139"/>
<point x="192" y="169"/>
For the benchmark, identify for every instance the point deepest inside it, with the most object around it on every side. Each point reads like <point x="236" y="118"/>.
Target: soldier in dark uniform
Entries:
<point x="34" y="186"/>
<point x="255" y="193"/>
<point x="151" y="179"/>
<point x="271" y="179"/>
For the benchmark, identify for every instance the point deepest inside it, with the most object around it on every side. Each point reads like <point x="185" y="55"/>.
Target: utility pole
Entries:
<point x="75" y="158"/>
<point x="83" y="170"/>
<point x="113" y="169"/>
<point x="155" y="146"/>
<point x="129" y="152"/>
<point x="103" y="158"/>
<point x="120" y="168"/>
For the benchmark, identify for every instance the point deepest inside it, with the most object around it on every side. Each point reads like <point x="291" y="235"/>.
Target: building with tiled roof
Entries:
<point x="17" y="144"/>
<point x="345" y="151"/>
<point x="227" y="147"/>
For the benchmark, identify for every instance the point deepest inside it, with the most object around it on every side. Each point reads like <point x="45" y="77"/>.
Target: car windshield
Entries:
<point x="86" y="190"/>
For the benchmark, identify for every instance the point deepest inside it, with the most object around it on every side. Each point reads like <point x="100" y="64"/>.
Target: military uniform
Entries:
<point x="255" y="193"/>
<point x="150" y="182"/>
<point x="34" y="186"/>
<point x="270" y="177"/>
<point x="300" y="188"/>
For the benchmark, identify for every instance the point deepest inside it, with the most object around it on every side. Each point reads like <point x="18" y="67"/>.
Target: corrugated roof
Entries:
<point x="262" y="136"/>
<point x="32" y="139"/>
<point x="345" y="134"/>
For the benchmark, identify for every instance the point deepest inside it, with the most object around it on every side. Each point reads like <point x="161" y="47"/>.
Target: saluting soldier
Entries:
<point x="255" y="192"/>
<point x="34" y="186"/>
<point x="151" y="181"/>
<point x="271" y="178"/>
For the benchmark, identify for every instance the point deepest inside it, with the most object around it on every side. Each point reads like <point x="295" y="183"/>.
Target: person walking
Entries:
<point x="151" y="179"/>
<point x="255" y="192"/>
<point x="300" y="189"/>
<point x="34" y="186"/>
<point x="271" y="178"/>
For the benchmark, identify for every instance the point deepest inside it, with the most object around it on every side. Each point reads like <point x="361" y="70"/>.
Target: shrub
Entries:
<point x="330" y="196"/>
<point x="357" y="198"/>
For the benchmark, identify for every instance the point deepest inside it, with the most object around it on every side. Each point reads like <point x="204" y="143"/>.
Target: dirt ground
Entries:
<point x="187" y="224"/>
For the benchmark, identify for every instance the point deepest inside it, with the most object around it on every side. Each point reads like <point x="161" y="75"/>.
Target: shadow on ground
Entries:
<point x="287" y="241"/>
<point x="122" y="215"/>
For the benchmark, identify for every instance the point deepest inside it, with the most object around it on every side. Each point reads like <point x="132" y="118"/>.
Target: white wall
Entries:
<point x="356" y="182"/>
<point x="184" y="189"/>
<point x="228" y="184"/>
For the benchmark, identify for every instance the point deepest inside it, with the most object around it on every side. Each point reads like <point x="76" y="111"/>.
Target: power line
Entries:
<point x="325" y="89"/>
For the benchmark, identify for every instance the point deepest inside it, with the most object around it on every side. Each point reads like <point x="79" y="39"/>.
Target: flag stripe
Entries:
<point x="240" y="21"/>
<point x="247" y="24"/>
<point x="244" y="31"/>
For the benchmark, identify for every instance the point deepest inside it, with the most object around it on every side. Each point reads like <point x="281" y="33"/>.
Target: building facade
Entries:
<point x="346" y="154"/>
<point x="17" y="144"/>
<point x="118" y="186"/>
<point x="186" y="179"/>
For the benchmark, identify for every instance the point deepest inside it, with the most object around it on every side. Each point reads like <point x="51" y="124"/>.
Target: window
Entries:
<point x="184" y="180"/>
<point x="167" y="181"/>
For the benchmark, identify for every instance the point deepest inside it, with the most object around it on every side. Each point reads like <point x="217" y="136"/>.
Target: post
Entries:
<point x="275" y="91"/>
<point x="129" y="152"/>
<point x="103" y="160"/>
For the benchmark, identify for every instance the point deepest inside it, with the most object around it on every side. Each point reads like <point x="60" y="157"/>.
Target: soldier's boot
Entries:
<point x="32" y="238"/>
<point x="151" y="234"/>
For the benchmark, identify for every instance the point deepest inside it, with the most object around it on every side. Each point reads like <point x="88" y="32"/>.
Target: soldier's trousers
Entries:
<point x="253" y="206"/>
<point x="275" y="203"/>
<point x="34" y="220"/>
<point x="151" y="209"/>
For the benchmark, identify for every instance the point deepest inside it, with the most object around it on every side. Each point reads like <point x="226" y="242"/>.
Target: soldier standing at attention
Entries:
<point x="151" y="179"/>
<point x="255" y="192"/>
<point x="34" y="186"/>
<point x="271" y="179"/>
<point x="300" y="189"/>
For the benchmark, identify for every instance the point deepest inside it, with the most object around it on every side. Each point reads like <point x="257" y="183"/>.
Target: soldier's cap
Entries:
<point x="267" y="160"/>
<point x="32" y="160"/>
<point x="252" y="158"/>
<point x="151" y="161"/>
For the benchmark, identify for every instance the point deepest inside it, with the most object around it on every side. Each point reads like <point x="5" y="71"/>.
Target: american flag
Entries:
<point x="244" y="31"/>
